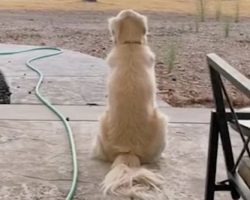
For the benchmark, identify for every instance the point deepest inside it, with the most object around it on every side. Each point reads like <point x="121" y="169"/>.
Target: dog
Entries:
<point x="132" y="129"/>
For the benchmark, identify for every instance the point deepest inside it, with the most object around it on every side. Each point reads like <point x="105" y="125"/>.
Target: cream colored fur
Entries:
<point x="132" y="130"/>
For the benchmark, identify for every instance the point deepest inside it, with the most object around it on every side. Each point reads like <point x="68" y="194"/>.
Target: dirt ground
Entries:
<point x="173" y="37"/>
<point x="176" y="6"/>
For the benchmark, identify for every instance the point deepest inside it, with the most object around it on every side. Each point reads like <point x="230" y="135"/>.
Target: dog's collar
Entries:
<point x="132" y="42"/>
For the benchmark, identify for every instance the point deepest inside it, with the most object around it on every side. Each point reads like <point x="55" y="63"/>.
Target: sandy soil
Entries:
<point x="177" y="6"/>
<point x="186" y="84"/>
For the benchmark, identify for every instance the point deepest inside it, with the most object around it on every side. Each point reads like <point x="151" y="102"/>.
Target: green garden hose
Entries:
<point x="57" y="51"/>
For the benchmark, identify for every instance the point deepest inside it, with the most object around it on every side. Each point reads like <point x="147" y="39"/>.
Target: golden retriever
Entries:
<point x="132" y="130"/>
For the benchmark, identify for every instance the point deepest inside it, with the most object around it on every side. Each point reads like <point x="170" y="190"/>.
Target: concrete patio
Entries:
<point x="35" y="159"/>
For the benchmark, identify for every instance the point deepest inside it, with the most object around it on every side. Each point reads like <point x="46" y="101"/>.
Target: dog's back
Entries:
<point x="132" y="112"/>
<point x="131" y="84"/>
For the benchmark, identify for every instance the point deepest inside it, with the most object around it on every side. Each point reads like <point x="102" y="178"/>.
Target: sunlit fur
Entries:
<point x="132" y="130"/>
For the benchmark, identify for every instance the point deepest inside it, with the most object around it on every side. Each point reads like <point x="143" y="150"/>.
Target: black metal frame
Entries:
<point x="219" y="129"/>
<point x="4" y="90"/>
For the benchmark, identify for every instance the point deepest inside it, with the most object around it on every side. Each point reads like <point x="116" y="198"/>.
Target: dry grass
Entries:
<point x="179" y="6"/>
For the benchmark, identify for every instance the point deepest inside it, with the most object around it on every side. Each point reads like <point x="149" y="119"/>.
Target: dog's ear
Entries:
<point x="145" y="24"/>
<point x="112" y="22"/>
<point x="113" y="28"/>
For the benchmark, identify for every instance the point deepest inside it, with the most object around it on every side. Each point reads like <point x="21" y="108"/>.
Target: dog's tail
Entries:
<point x="127" y="178"/>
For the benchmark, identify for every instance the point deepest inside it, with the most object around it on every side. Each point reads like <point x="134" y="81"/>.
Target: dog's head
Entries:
<point x="128" y="27"/>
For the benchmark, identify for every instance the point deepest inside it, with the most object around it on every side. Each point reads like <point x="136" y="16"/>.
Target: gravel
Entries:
<point x="185" y="83"/>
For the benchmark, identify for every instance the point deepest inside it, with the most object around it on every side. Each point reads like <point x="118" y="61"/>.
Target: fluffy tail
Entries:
<point x="127" y="178"/>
